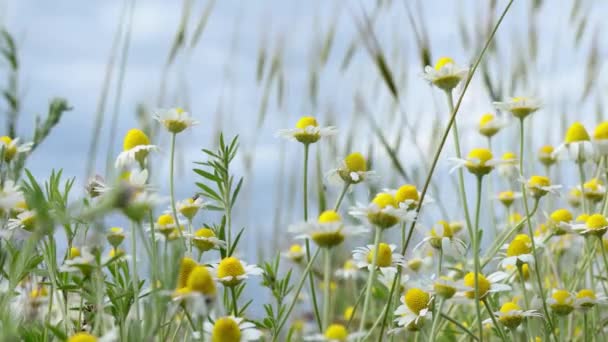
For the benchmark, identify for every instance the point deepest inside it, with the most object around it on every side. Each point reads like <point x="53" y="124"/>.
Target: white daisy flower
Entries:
<point x="190" y="206"/>
<point x="561" y="302"/>
<point x="328" y="231"/>
<point x="488" y="285"/>
<point x="577" y="145"/>
<point x="539" y="186"/>
<point x="519" y="107"/>
<point x="509" y="166"/>
<point x="519" y="251"/>
<point x="79" y="260"/>
<point x="508" y="197"/>
<point x="230" y="328"/>
<point x="511" y="315"/>
<point x="295" y="253"/>
<point x="442" y="238"/>
<point x="545" y="155"/>
<point x="408" y="196"/>
<point x="593" y="190"/>
<point x="489" y="124"/>
<point x="595" y="224"/>
<point x="387" y="258"/>
<point x="384" y="211"/>
<point x="414" y="310"/>
<point x="352" y="171"/>
<point x="231" y="271"/>
<point x="204" y="239"/>
<point x="136" y="147"/>
<point x="349" y="271"/>
<point x="25" y="220"/>
<point x="560" y="221"/>
<point x="446" y="74"/>
<point x="335" y="333"/>
<point x="10" y="196"/>
<point x="586" y="299"/>
<point x="10" y="148"/>
<point x="175" y="120"/>
<point x="600" y="139"/>
<point x="479" y="162"/>
<point x="307" y="131"/>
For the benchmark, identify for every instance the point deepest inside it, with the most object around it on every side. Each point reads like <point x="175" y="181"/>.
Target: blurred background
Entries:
<point x="253" y="67"/>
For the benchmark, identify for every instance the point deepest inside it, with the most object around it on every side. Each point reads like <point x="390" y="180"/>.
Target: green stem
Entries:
<point x="305" y="199"/>
<point x="135" y="279"/>
<point x="296" y="293"/>
<point x="581" y="174"/>
<point x="327" y="289"/>
<point x="235" y="305"/>
<point x="370" y="280"/>
<point x="585" y="327"/>
<point x="172" y="192"/>
<point x="339" y="201"/>
<point x="525" y="293"/>
<point x="477" y="270"/>
<point x="436" y="319"/>
<point x="603" y="249"/>
<point x="459" y="325"/>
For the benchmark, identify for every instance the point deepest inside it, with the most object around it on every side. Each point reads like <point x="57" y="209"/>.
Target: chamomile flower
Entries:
<point x="349" y="271"/>
<point x="307" y="131"/>
<point x="577" y="144"/>
<point x="518" y="252"/>
<point x="575" y="196"/>
<point x="546" y="156"/>
<point x="198" y="292"/>
<point x="489" y="124"/>
<point x="445" y="287"/>
<point x="560" y="221"/>
<point x="539" y="186"/>
<point x="508" y="197"/>
<point x="327" y="231"/>
<point x="83" y="336"/>
<point x="231" y="271"/>
<point x="115" y="236"/>
<point x="25" y="220"/>
<point x="487" y="285"/>
<point x="595" y="224"/>
<point x="508" y="168"/>
<point x="136" y="147"/>
<point x="387" y="258"/>
<point x="414" y="310"/>
<point x="139" y="203"/>
<point x="190" y="207"/>
<point x="10" y="196"/>
<point x="442" y="238"/>
<point x="446" y="74"/>
<point x="335" y="333"/>
<point x="586" y="299"/>
<point x="479" y="162"/>
<point x="511" y="315"/>
<point x="295" y="253"/>
<point x="519" y="107"/>
<point x="204" y="239"/>
<point x="384" y="211"/>
<point x="175" y="120"/>
<point x="230" y="328"/>
<point x="561" y="302"/>
<point x="408" y="196"/>
<point x="84" y="262"/>
<point x="10" y="148"/>
<point x="165" y="224"/>
<point x="352" y="171"/>
<point x="594" y="190"/>
<point x="600" y="139"/>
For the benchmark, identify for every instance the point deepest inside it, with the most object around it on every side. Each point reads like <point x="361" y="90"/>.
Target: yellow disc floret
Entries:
<point x="225" y="329"/>
<point x="185" y="268"/>
<point x="135" y="137"/>
<point x="416" y="300"/>
<point x="305" y="136"/>
<point x="483" y="283"/>
<point x="74" y="252"/>
<point x="201" y="243"/>
<point x="576" y="133"/>
<point x="336" y="332"/>
<point x="329" y="216"/>
<point x="381" y="218"/>
<point x="82" y="337"/>
<point x="231" y="268"/>
<point x="407" y="192"/>
<point x="510" y="315"/>
<point x="10" y="150"/>
<point x="601" y="131"/>
<point x="477" y="161"/>
<point x="385" y="255"/>
<point x="201" y="281"/>
<point x="562" y="302"/>
<point x="355" y="162"/>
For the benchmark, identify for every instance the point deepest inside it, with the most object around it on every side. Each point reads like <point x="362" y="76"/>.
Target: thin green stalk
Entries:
<point x="172" y="193"/>
<point x="477" y="270"/>
<point x="235" y="304"/>
<point x="370" y="280"/>
<point x="585" y="327"/>
<point x="327" y="289"/>
<point x="135" y="279"/>
<point x="305" y="199"/>
<point x="491" y="313"/>
<point x="436" y="319"/>
<point x="341" y="197"/>
<point x="442" y="142"/>
<point x="296" y="293"/>
<point x="520" y="272"/>
<point x="603" y="249"/>
<point x="581" y="174"/>
<point x="459" y="325"/>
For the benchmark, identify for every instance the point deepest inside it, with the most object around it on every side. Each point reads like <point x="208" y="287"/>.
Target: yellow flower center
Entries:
<point x="225" y="329"/>
<point x="483" y="155"/>
<point x="486" y="119"/>
<point x="508" y="307"/>
<point x="329" y="216"/>
<point x="295" y="249"/>
<point x="74" y="252"/>
<point x="515" y="218"/>
<point x="546" y="149"/>
<point x="539" y="181"/>
<point x="82" y="337"/>
<point x="39" y="291"/>
<point x="383" y="200"/>
<point x="444" y="289"/>
<point x="185" y="268"/>
<point x="9" y="151"/>
<point x="601" y="131"/>
<point x="133" y="138"/>
<point x="203" y="245"/>
<point x="415" y="264"/>
<point x="483" y="283"/>
<point x="349" y="265"/>
<point x="509" y="156"/>
<point x="116" y="252"/>
<point x="596" y="221"/>
<point x="518" y="247"/>
<point x="230" y="267"/>
<point x="348" y="313"/>
<point x="417" y="300"/>
<point x="407" y="192"/>
<point x="576" y="133"/>
<point x="582" y="218"/>
<point x="561" y="215"/>
<point x="201" y="281"/>
<point x="586" y="294"/>
<point x="385" y="255"/>
<point x="518" y="99"/>
<point x="562" y="297"/>
<point x="355" y="162"/>
<point x="443" y="61"/>
<point x="336" y="332"/>
<point x="165" y="220"/>
<point x="593" y="185"/>
<point x="306" y="121"/>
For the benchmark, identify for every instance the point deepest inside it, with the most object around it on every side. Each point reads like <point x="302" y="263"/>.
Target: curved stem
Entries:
<point x="436" y="319"/>
<point x="581" y="174"/>
<point x="135" y="279"/>
<point x="341" y="197"/>
<point x="172" y="192"/>
<point x="327" y="289"/>
<point x="477" y="270"/>
<point x="491" y="313"/>
<point x="370" y="280"/>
